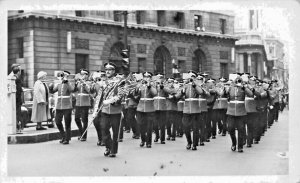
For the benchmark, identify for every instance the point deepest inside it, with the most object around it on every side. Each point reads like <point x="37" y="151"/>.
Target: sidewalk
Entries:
<point x="31" y="135"/>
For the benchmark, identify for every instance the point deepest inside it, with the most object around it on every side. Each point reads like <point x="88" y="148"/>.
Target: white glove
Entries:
<point x="94" y="114"/>
<point x="106" y="102"/>
<point x="271" y="107"/>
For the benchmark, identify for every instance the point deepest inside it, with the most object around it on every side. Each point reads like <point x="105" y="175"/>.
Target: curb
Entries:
<point x="37" y="138"/>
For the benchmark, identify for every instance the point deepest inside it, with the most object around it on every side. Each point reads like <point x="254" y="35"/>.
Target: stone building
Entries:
<point x="70" y="40"/>
<point x="250" y="50"/>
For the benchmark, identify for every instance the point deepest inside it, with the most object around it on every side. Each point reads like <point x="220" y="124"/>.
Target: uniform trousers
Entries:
<point x="218" y="116"/>
<point x="67" y="114"/>
<point x="236" y="122"/>
<point x="96" y="123"/>
<point x="271" y="116"/>
<point x="260" y="124"/>
<point x="251" y="120"/>
<point x="178" y="120"/>
<point x="189" y="122"/>
<point x="110" y="121"/>
<point x="81" y="119"/>
<point x="124" y="123"/>
<point x="131" y="113"/>
<point x="208" y="126"/>
<point x="145" y="121"/>
<point x="171" y="123"/>
<point x="201" y="121"/>
<point x="159" y="124"/>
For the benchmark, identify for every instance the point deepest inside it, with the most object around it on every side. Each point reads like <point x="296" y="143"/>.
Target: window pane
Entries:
<point x="21" y="47"/>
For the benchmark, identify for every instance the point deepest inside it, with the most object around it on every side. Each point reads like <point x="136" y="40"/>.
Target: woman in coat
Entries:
<point x="40" y="109"/>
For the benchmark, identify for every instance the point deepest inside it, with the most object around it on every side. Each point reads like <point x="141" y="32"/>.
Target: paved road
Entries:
<point x="215" y="158"/>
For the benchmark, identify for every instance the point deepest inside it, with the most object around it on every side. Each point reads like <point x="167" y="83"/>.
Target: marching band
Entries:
<point x="196" y="106"/>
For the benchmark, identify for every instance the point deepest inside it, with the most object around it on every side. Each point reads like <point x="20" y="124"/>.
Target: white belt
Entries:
<point x="191" y="99"/>
<point x="201" y="99"/>
<point x="159" y="97"/>
<point x="83" y="94"/>
<point x="146" y="99"/>
<point x="237" y="102"/>
<point x="63" y="96"/>
<point x="181" y="101"/>
<point x="248" y="98"/>
<point x="222" y="99"/>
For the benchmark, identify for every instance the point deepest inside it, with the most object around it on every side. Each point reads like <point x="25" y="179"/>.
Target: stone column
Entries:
<point x="241" y="62"/>
<point x="249" y="62"/>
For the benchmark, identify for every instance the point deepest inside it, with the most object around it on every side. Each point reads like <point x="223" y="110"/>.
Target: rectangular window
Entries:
<point x="140" y="17"/>
<point x="251" y="16"/>
<point x="20" y="47"/>
<point x="223" y="26"/>
<point x="224" y="70"/>
<point x="118" y="16"/>
<point x="161" y="18"/>
<point x="79" y="13"/>
<point x="181" y="66"/>
<point x="141" y="65"/>
<point x="198" y="22"/>
<point x="21" y="11"/>
<point x="179" y="19"/>
<point x="81" y="61"/>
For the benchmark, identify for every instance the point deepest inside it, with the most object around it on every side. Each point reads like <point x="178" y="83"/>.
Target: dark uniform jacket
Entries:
<point x="64" y="98"/>
<point x="146" y="101"/>
<point x="82" y="95"/>
<point x="236" y="104"/>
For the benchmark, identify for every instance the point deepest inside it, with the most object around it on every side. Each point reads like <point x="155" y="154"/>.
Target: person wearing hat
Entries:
<point x="83" y="103"/>
<point x="40" y="106"/>
<point x="191" y="109"/>
<point x="99" y="82"/>
<point x="179" y="112"/>
<point x="277" y="100"/>
<point x="145" y="109"/>
<point x="108" y="106"/>
<point x="132" y="101"/>
<point x="64" y="106"/>
<point x="171" y="109"/>
<point x="251" y="109"/>
<point x="260" y="124"/>
<point x="160" y="106"/>
<point x="273" y="103"/>
<point x="236" y="112"/>
<point x="203" y="109"/>
<point x="220" y="107"/>
<point x="210" y="125"/>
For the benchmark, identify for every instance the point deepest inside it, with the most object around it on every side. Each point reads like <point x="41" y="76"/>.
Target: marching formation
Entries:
<point x="196" y="106"/>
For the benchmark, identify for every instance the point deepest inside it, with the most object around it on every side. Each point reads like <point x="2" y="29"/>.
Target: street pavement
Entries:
<point x="269" y="157"/>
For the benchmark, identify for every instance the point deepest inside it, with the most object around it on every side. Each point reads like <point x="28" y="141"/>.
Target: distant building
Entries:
<point x="250" y="50"/>
<point x="70" y="40"/>
<point x="276" y="56"/>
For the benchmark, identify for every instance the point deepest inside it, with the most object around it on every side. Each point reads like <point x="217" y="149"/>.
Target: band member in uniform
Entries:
<point x="64" y="106"/>
<point x="251" y="109"/>
<point x="108" y="106"/>
<point x="179" y="113"/>
<point x="203" y="109"/>
<point x="83" y="102"/>
<point x="145" y="109"/>
<point x="261" y="107"/>
<point x="191" y="110"/>
<point x="211" y="120"/>
<point x="236" y="112"/>
<point x="96" y="88"/>
<point x="171" y="110"/>
<point x="132" y="102"/>
<point x="220" y="106"/>
<point x="276" y="99"/>
<point x="160" y="106"/>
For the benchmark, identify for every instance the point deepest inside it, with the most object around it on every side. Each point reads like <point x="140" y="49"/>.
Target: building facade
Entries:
<point x="71" y="40"/>
<point x="276" y="56"/>
<point x="250" y="52"/>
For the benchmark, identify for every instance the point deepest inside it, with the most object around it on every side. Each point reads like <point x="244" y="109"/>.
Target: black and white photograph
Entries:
<point x="162" y="93"/>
